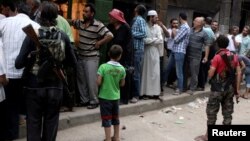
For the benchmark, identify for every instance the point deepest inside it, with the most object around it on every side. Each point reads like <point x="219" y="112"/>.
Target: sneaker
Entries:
<point x="177" y="92"/>
<point x="190" y="92"/>
<point x="134" y="100"/>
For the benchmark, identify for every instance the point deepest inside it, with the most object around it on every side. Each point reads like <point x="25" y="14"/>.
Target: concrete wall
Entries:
<point x="173" y="12"/>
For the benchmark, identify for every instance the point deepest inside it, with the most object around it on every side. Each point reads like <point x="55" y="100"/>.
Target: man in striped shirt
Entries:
<point x="92" y="34"/>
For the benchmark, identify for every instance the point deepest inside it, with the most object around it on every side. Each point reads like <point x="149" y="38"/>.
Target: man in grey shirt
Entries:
<point x="198" y="37"/>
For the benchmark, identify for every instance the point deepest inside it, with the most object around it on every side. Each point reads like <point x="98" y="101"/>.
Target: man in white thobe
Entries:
<point x="150" y="86"/>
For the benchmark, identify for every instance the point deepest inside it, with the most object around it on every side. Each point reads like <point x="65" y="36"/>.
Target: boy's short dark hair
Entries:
<point x="115" y="51"/>
<point x="222" y="41"/>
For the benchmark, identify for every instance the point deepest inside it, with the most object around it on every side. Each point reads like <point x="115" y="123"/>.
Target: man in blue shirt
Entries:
<point x="177" y="56"/>
<point x="138" y="34"/>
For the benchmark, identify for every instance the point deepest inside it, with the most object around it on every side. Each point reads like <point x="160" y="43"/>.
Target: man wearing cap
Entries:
<point x="138" y="34"/>
<point x="123" y="37"/>
<point x="150" y="86"/>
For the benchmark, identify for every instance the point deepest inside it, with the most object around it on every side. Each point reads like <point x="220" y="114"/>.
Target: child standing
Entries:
<point x="111" y="76"/>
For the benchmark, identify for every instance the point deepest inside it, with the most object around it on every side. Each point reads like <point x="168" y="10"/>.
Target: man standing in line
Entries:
<point x="233" y="44"/>
<point x="198" y="37"/>
<point x="93" y="34"/>
<point x="123" y="37"/>
<point x="215" y="28"/>
<point x="178" y="52"/>
<point x="150" y="86"/>
<point x="243" y="41"/>
<point x="170" y="42"/>
<point x="138" y="34"/>
<point x="165" y="34"/>
<point x="12" y="38"/>
<point x="35" y="12"/>
<point x="204" y="64"/>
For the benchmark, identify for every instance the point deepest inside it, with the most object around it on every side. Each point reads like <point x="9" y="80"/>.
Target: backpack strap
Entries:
<point x="226" y="61"/>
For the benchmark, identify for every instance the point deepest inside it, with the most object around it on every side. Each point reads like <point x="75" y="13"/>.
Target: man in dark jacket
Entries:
<point x="44" y="96"/>
<point x="123" y="37"/>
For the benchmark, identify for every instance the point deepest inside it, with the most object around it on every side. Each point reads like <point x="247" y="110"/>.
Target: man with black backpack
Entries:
<point x="224" y="75"/>
<point x="43" y="58"/>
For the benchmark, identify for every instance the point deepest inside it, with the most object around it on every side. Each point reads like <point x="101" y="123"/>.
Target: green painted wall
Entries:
<point x="102" y="9"/>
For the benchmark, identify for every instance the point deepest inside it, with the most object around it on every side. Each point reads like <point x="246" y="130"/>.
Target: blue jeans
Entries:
<point x="138" y="60"/>
<point x="176" y="59"/>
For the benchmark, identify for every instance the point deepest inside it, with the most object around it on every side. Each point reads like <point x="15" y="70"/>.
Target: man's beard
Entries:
<point x="87" y="18"/>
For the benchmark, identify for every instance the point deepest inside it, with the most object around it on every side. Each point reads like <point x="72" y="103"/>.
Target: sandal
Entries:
<point x="112" y="139"/>
<point x="244" y="96"/>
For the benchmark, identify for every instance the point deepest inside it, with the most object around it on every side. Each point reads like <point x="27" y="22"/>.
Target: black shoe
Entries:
<point x="200" y="89"/>
<point x="82" y="104"/>
<point x="92" y="106"/>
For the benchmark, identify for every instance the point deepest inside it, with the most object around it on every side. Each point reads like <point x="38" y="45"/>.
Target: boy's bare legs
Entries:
<point x="107" y="133"/>
<point x="116" y="133"/>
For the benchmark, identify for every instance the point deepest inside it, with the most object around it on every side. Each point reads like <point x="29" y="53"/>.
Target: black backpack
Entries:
<point x="222" y="82"/>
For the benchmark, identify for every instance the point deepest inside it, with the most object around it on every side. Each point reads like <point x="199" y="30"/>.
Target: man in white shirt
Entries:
<point x="243" y="41"/>
<point x="170" y="42"/>
<point x="232" y="46"/>
<point x="3" y="80"/>
<point x="12" y="39"/>
<point x="2" y="69"/>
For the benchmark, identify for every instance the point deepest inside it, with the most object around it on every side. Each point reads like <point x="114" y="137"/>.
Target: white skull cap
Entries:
<point x="152" y="13"/>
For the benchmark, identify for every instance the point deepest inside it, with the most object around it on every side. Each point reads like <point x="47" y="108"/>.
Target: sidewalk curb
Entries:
<point x="84" y="116"/>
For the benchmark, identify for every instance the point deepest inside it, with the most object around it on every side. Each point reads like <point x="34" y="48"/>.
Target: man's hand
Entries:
<point x="204" y="60"/>
<point x="174" y="32"/>
<point x="97" y="45"/>
<point x="3" y="80"/>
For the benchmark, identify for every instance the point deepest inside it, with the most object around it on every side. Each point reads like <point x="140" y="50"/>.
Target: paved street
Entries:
<point x="176" y="123"/>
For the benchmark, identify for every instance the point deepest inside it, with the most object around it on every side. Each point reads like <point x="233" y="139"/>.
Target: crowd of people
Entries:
<point x="135" y="70"/>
